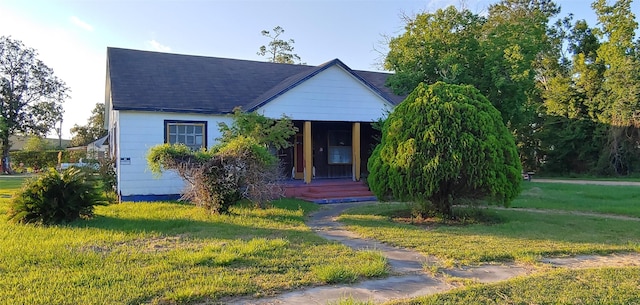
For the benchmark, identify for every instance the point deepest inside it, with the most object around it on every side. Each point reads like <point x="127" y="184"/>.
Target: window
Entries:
<point x="190" y="133"/>
<point x="339" y="148"/>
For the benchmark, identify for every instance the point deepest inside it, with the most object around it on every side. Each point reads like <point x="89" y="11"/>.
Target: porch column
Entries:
<point x="307" y="150"/>
<point x="355" y="153"/>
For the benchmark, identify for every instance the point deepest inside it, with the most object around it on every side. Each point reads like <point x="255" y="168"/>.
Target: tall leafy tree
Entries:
<point x="499" y="55"/>
<point x="516" y="37"/>
<point x="93" y="130"/>
<point x="618" y="52"/>
<point x="278" y="50"/>
<point x="569" y="77"/>
<point x="439" y="46"/>
<point x="31" y="95"/>
<point x="592" y="95"/>
<point x="619" y="97"/>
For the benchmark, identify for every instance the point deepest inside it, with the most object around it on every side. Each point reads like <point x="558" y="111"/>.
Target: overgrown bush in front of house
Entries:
<point x="217" y="179"/>
<point x="56" y="197"/>
<point x="241" y="166"/>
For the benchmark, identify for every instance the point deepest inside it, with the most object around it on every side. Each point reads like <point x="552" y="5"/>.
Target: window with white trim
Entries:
<point x="190" y="133"/>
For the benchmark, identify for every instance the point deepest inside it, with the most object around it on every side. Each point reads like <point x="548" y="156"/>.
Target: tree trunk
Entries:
<point x="443" y="206"/>
<point x="6" y="165"/>
<point x="617" y="156"/>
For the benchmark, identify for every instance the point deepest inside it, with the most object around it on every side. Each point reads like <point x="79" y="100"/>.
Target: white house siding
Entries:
<point x="331" y="95"/>
<point x="139" y="131"/>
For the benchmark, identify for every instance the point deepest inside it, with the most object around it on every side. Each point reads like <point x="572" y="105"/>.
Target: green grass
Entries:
<point x="517" y="235"/>
<point x="166" y="252"/>
<point x="619" y="200"/>
<point x="631" y="178"/>
<point x="583" y="286"/>
<point x="9" y="185"/>
<point x="522" y="236"/>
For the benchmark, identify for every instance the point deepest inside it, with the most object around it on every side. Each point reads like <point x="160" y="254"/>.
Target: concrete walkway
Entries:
<point x="408" y="278"/>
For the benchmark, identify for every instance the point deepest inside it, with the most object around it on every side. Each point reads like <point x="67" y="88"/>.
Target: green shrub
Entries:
<point x="108" y="177"/>
<point x="236" y="169"/>
<point x="45" y="159"/>
<point x="55" y="197"/>
<point x="445" y="144"/>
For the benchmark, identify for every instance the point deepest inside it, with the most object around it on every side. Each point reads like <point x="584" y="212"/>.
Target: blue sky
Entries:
<point x="72" y="36"/>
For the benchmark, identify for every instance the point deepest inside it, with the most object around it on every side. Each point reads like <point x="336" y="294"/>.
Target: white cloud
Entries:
<point x="81" y="24"/>
<point x="156" y="46"/>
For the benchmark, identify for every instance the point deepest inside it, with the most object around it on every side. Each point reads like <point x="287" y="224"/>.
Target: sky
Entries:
<point x="72" y="36"/>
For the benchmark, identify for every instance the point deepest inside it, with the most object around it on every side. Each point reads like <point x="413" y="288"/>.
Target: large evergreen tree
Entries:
<point x="442" y="145"/>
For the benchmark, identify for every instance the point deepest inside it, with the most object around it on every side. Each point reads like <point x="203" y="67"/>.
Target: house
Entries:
<point x="97" y="149"/>
<point x="153" y="98"/>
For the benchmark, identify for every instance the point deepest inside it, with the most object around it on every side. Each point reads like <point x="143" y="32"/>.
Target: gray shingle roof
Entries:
<point x="152" y="81"/>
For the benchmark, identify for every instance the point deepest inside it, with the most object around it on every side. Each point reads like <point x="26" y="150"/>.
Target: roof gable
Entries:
<point x="152" y="81"/>
<point x="300" y="78"/>
<point x="333" y="94"/>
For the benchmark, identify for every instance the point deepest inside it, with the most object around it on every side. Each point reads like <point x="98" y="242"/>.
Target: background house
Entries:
<point x="98" y="149"/>
<point x="154" y="98"/>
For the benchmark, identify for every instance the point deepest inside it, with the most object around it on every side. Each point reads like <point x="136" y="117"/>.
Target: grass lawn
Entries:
<point x="515" y="235"/>
<point x="524" y="237"/>
<point x="167" y="252"/>
<point x="620" y="200"/>
<point x="9" y="184"/>
<point x="585" y="286"/>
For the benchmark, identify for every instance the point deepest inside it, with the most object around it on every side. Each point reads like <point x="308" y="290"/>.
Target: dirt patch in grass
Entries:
<point x="533" y="192"/>
<point x="148" y="245"/>
<point x="595" y="261"/>
<point x="462" y="216"/>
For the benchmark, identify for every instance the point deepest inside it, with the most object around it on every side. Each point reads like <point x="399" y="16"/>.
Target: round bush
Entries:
<point x="445" y="144"/>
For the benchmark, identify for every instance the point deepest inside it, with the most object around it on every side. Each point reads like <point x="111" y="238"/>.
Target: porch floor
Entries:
<point x="329" y="190"/>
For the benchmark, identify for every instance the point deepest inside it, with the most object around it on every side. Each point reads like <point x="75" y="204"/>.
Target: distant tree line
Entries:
<point x="567" y="90"/>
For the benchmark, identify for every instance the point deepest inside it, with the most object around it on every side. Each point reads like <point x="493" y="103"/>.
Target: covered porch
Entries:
<point x="329" y="150"/>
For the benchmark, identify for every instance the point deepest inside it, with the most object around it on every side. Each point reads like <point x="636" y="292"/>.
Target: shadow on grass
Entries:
<point x="517" y="233"/>
<point x="176" y="218"/>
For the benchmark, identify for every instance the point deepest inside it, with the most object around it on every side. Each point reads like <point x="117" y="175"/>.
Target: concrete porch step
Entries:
<point x="329" y="191"/>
